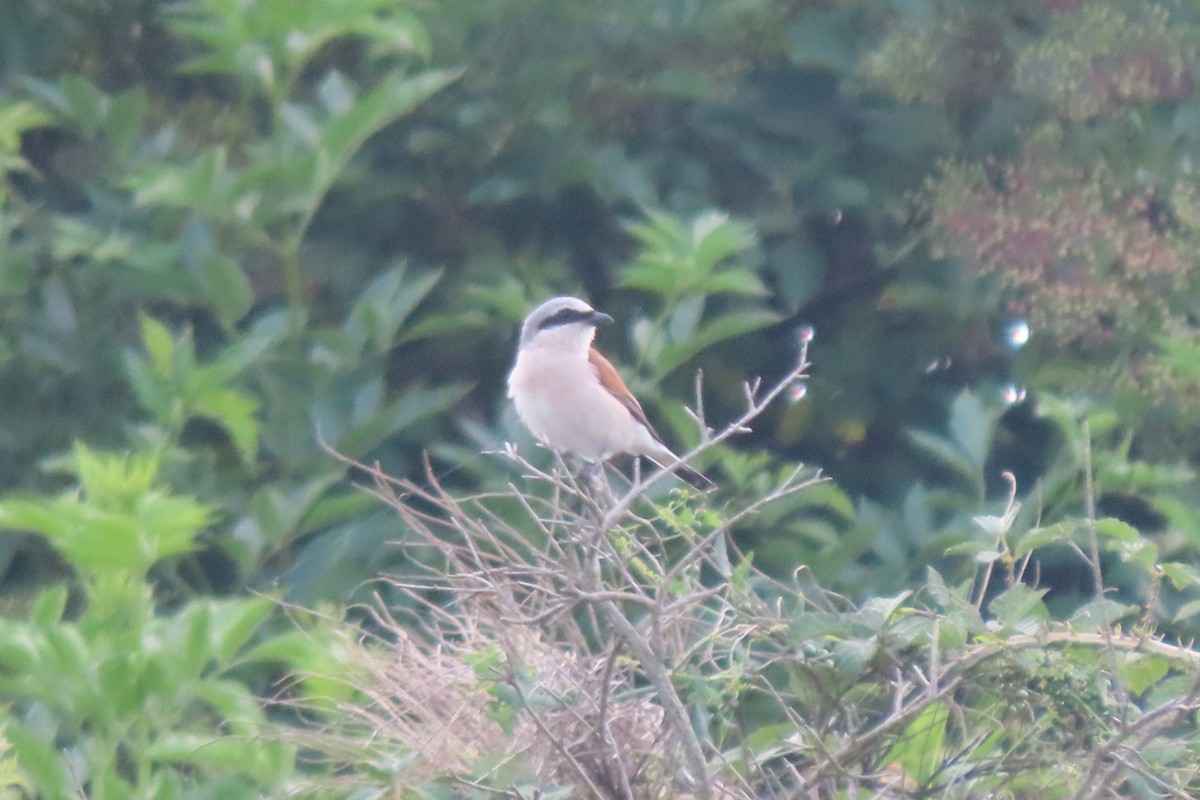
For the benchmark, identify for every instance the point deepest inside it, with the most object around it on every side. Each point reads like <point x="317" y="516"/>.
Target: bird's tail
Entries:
<point x="696" y="478"/>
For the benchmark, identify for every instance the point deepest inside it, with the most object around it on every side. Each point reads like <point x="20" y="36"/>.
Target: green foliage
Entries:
<point x="15" y="118"/>
<point x="685" y="268"/>
<point x="108" y="696"/>
<point x="148" y="230"/>
<point x="171" y="386"/>
<point x="964" y="450"/>
<point x="198" y="217"/>
<point x="270" y="43"/>
<point x="12" y="779"/>
<point x="117" y="523"/>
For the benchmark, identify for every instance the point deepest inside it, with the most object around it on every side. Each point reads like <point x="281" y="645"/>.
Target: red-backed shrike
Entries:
<point x="572" y="399"/>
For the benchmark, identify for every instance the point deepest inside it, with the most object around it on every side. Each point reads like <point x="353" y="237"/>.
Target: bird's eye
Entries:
<point x="564" y="317"/>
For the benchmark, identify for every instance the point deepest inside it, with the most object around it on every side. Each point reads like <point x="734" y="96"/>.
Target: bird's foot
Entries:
<point x="592" y="474"/>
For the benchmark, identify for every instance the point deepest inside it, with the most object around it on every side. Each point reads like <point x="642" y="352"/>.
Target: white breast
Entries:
<point x="561" y="401"/>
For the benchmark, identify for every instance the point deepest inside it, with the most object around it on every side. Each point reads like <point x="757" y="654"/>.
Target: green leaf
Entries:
<point x="661" y="232"/>
<point x="67" y="654"/>
<point x="84" y="102"/>
<point x="1182" y="576"/>
<point x="159" y="345"/>
<point x="1110" y="528"/>
<point x="1142" y="670"/>
<point x="735" y="281"/>
<point x="278" y="510"/>
<point x="998" y="526"/>
<point x="234" y="622"/>
<point x="429" y="327"/>
<point x="948" y="454"/>
<point x="1100" y="614"/>
<point x="728" y="326"/>
<point x="227" y="288"/>
<point x="987" y="556"/>
<point x="385" y="305"/>
<point x="235" y="412"/>
<point x="400" y="29"/>
<point x="971" y="429"/>
<point x="1044" y="536"/>
<point x="30" y="515"/>
<point x="273" y="40"/>
<point x="340" y="508"/>
<point x="205" y="184"/>
<point x="851" y="656"/>
<point x="192" y="624"/>
<point x="716" y="237"/>
<point x="123" y="121"/>
<point x="408" y="409"/>
<point x="920" y="750"/>
<point x="767" y="742"/>
<point x="1141" y="552"/>
<point x="320" y="665"/>
<point x="49" y="607"/>
<point x="879" y="610"/>
<point x="1187" y="611"/>
<point x="151" y="392"/>
<point x="394" y="97"/>
<point x="676" y="260"/>
<point x="261" y="758"/>
<point x="650" y="277"/>
<point x="234" y="704"/>
<point x="1018" y="606"/>
<point x="828" y="497"/>
<point x="41" y="760"/>
<point x="684" y="318"/>
<point x="17" y="117"/>
<point x="1183" y="356"/>
<point x="248" y="348"/>
<point x="118" y="523"/>
<point x="18" y="650"/>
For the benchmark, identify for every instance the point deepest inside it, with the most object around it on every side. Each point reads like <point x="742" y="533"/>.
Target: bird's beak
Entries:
<point x="599" y="318"/>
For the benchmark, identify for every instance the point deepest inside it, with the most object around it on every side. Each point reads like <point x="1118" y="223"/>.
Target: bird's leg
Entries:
<point x="567" y="466"/>
<point x="568" y="461"/>
<point x="592" y="474"/>
<point x="596" y="481"/>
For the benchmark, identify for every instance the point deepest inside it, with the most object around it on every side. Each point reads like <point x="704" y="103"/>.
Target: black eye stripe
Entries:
<point x="565" y="317"/>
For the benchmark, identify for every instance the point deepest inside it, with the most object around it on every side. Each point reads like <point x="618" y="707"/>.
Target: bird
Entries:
<point x="572" y="398"/>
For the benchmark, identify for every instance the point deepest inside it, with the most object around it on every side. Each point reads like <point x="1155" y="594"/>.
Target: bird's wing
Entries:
<point x="610" y="379"/>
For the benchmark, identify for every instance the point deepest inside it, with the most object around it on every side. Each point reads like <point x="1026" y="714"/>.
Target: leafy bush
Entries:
<point x="108" y="697"/>
<point x="193" y="215"/>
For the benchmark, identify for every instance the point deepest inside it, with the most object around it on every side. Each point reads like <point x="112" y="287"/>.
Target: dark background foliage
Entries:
<point x="917" y="180"/>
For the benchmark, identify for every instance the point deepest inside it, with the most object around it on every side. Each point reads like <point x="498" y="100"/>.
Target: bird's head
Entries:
<point x="563" y="322"/>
